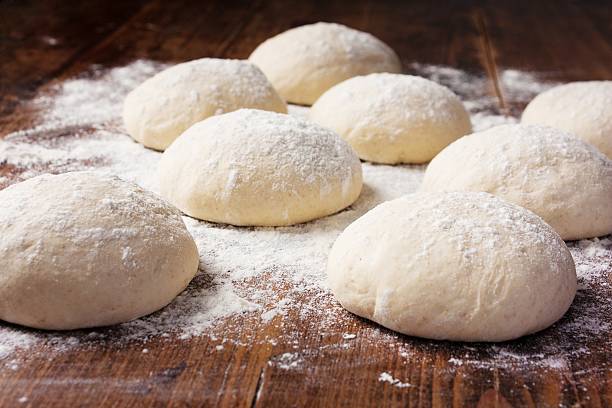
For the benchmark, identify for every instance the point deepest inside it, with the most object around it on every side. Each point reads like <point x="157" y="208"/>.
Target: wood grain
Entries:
<point x="40" y="40"/>
<point x="43" y="43"/>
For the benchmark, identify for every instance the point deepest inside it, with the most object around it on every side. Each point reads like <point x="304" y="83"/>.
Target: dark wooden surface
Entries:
<point x="46" y="41"/>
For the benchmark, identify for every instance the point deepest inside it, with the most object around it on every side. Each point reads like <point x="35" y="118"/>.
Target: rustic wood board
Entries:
<point x="42" y="43"/>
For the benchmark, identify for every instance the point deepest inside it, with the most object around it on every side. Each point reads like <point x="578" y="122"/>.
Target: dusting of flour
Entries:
<point x="261" y="276"/>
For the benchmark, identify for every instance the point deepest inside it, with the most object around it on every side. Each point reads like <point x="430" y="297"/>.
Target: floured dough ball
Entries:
<point x="581" y="108"/>
<point x="304" y="62"/>
<point x="162" y="107"/>
<point x="453" y="266"/>
<point x="564" y="180"/>
<point x="253" y="167"/>
<point x="83" y="250"/>
<point x="393" y="118"/>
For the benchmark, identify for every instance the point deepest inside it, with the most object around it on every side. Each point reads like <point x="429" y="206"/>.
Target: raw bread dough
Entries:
<point x="564" y="180"/>
<point x="457" y="266"/>
<point x="253" y="167"/>
<point x="393" y="118"/>
<point x="581" y="108"/>
<point x="304" y="62"/>
<point x="162" y="107"/>
<point x="82" y="250"/>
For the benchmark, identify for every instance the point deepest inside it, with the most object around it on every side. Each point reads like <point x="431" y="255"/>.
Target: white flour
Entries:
<point x="251" y="277"/>
<point x="388" y="378"/>
<point x="303" y="157"/>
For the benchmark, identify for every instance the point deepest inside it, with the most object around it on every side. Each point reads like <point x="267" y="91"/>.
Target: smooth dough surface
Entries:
<point x="305" y="61"/>
<point x="165" y="105"/>
<point x="459" y="266"/>
<point x="253" y="167"/>
<point x="564" y="180"/>
<point x="83" y="250"/>
<point x="393" y="118"/>
<point x="581" y="108"/>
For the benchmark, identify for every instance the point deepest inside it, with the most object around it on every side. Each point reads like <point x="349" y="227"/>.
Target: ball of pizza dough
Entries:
<point x="165" y="105"/>
<point x="581" y="108"/>
<point x="252" y="167"/>
<point x="82" y="250"/>
<point x="564" y="180"/>
<point x="393" y="118"/>
<point x="304" y="62"/>
<point x="461" y="266"/>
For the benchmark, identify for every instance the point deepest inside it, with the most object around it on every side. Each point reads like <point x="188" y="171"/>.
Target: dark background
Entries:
<point x="44" y="40"/>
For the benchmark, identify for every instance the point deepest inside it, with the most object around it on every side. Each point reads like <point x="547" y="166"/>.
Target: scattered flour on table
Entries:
<point x="287" y="361"/>
<point x="388" y="378"/>
<point x="260" y="276"/>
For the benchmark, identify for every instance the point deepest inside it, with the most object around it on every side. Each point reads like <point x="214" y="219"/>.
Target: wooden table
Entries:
<point x="44" y="42"/>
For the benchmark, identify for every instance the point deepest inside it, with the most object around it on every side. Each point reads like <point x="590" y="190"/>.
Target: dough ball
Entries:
<point x="564" y="180"/>
<point x="304" y="62"/>
<point x="83" y="250"/>
<point x="162" y="107"/>
<point x="459" y="266"/>
<point x="393" y="118"/>
<point x="253" y="167"/>
<point x="581" y="108"/>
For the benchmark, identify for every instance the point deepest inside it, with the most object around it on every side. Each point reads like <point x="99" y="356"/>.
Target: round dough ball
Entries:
<point x="82" y="250"/>
<point x="564" y="180"/>
<point x="392" y="118"/>
<point x="253" y="167"/>
<point x="581" y="108"/>
<point x="164" y="106"/>
<point x="453" y="266"/>
<point x="304" y="62"/>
